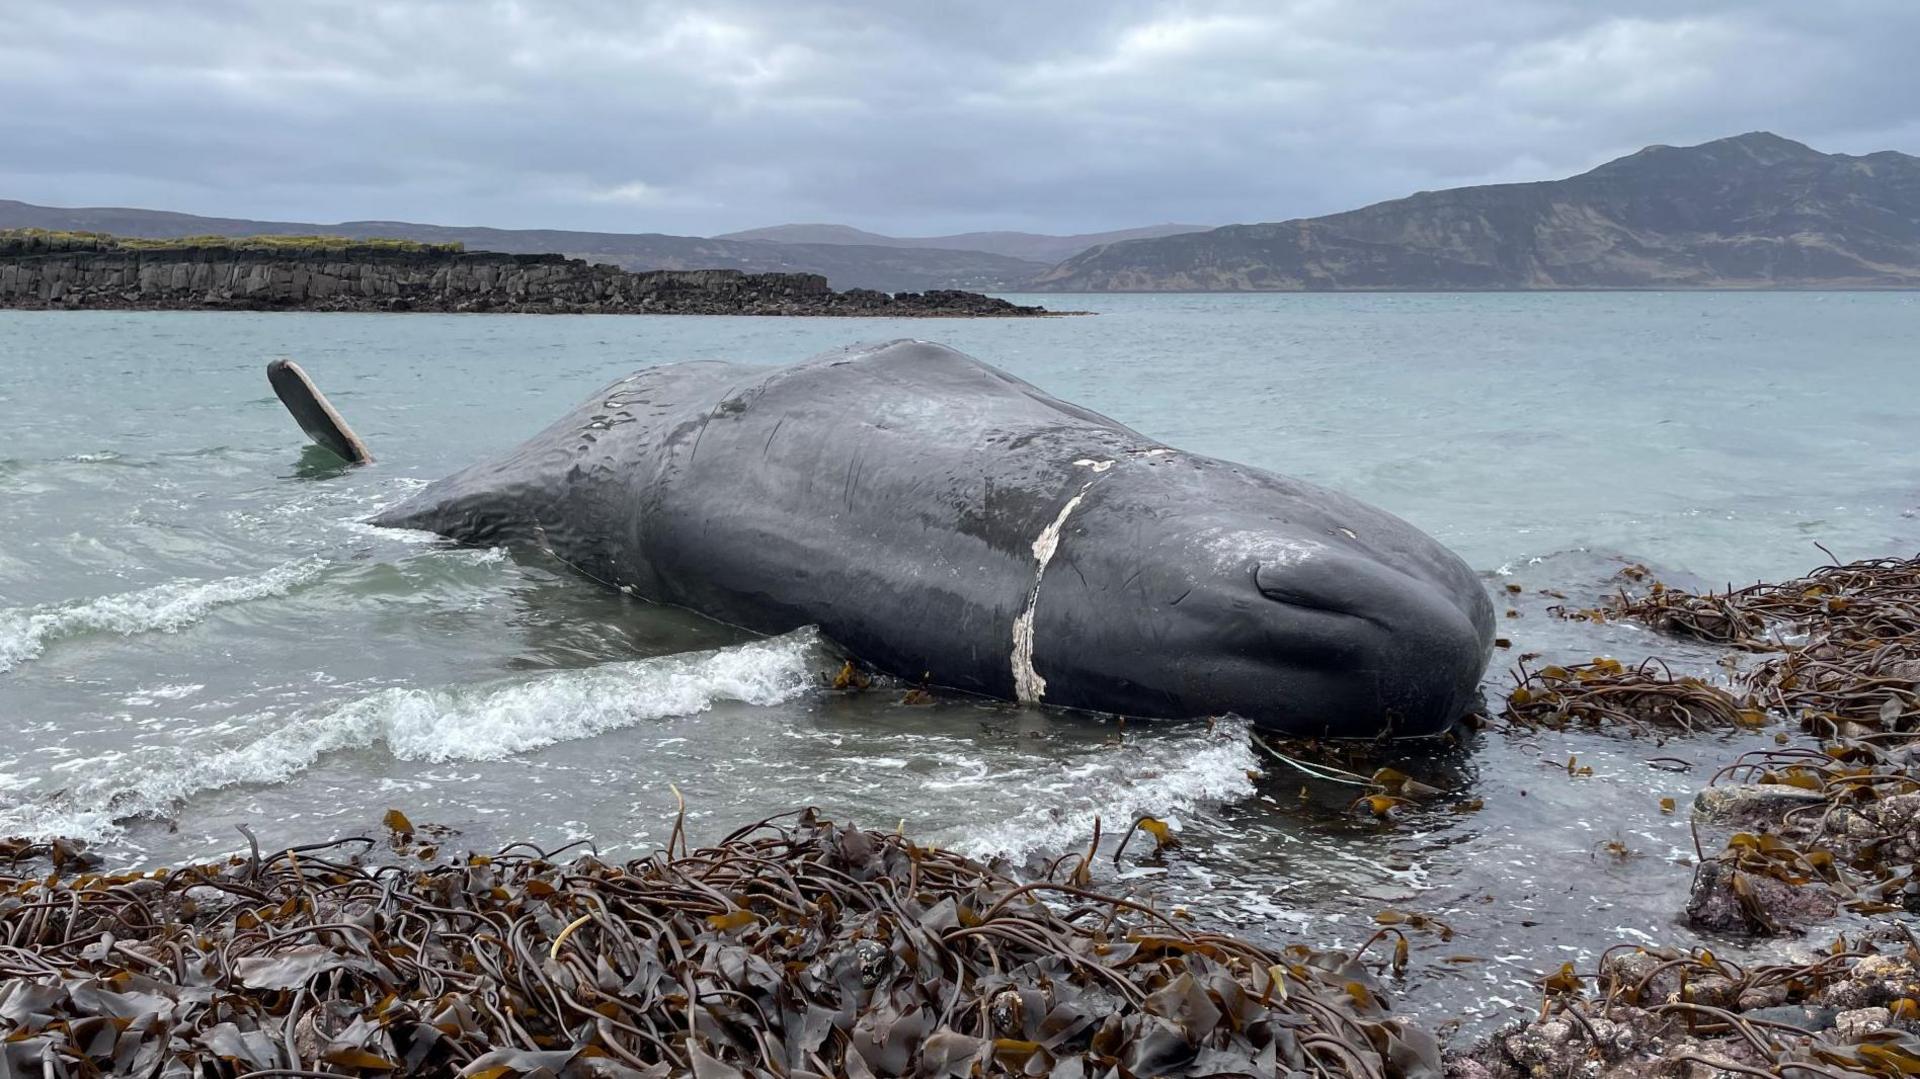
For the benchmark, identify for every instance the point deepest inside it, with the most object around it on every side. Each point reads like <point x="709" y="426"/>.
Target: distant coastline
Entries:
<point x="41" y="270"/>
<point x="1486" y="290"/>
<point x="1751" y="212"/>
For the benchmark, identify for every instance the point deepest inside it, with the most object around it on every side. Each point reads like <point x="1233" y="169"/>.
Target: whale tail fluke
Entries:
<point x="314" y="414"/>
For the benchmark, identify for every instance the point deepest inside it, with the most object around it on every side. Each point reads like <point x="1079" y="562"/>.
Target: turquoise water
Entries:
<point x="196" y="631"/>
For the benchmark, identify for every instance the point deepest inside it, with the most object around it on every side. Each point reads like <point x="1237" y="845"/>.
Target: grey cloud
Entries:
<point x="909" y="118"/>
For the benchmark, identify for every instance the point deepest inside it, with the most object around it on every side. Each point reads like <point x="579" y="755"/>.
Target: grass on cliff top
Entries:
<point x="102" y="241"/>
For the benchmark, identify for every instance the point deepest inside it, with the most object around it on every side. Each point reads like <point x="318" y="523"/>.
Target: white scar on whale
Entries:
<point x="1028" y="686"/>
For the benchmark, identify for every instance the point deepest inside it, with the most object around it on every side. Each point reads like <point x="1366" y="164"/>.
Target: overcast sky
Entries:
<point x="902" y="116"/>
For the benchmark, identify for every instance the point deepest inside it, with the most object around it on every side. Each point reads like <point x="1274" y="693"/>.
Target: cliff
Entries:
<point x="40" y="270"/>
<point x="845" y="265"/>
<point x="1754" y="211"/>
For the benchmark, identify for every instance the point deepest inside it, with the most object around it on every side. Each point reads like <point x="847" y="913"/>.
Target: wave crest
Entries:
<point x="437" y="725"/>
<point x="164" y="608"/>
<point x="1157" y="776"/>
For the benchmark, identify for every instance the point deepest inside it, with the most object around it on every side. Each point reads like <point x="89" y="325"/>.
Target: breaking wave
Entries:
<point x="436" y="725"/>
<point x="1161" y="777"/>
<point x="164" y="608"/>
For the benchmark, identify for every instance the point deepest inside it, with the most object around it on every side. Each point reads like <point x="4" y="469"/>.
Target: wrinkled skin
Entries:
<point x="900" y="497"/>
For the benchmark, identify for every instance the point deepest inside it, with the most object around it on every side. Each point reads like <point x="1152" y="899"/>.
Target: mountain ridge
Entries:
<point x="1033" y="246"/>
<point x="1749" y="211"/>
<point x="1755" y="210"/>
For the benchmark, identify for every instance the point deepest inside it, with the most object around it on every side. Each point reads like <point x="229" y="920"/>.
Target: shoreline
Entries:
<point x="804" y="947"/>
<point x="264" y="309"/>
<point x="1837" y="289"/>
<point x="795" y="946"/>
<point x="319" y="274"/>
<point x="1807" y="836"/>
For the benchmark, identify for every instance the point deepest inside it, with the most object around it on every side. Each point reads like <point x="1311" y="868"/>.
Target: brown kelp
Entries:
<point x="1644" y="699"/>
<point x="1846" y="640"/>
<point x="794" y="947"/>
<point x="1851" y="1011"/>
<point x="1820" y="826"/>
<point x="1836" y="686"/>
<point x="1874" y="599"/>
<point x="1844" y="644"/>
<point x="1825" y="827"/>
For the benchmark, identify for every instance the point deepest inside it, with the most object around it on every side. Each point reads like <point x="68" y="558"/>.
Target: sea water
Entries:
<point x="197" y="631"/>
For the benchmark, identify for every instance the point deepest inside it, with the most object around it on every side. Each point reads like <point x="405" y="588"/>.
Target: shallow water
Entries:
<point x="196" y="632"/>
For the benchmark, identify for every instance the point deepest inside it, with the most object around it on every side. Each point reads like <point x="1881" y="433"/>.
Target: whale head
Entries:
<point x="1301" y="610"/>
<point x="1355" y="644"/>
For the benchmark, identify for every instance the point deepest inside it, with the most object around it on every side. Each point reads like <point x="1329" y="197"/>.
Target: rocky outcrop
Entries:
<point x="1659" y="1014"/>
<point x="98" y="273"/>
<point x="845" y="265"/>
<point x="1754" y="211"/>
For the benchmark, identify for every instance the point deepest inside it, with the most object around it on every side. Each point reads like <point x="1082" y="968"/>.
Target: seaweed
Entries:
<point x="1849" y="1011"/>
<point x="1605" y="693"/>
<point x="1840" y="686"/>
<point x="1841" y="645"/>
<point x="1845" y="815"/>
<point x="793" y="947"/>
<point x="1855" y="602"/>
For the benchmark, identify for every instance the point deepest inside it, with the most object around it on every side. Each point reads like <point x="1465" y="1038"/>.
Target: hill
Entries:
<point x="1031" y="246"/>
<point x="888" y="268"/>
<point x="1752" y="211"/>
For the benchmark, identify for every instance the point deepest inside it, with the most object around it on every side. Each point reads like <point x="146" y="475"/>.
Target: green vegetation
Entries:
<point x="37" y="240"/>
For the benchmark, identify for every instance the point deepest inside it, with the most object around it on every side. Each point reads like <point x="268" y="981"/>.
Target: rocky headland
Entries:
<point x="41" y="270"/>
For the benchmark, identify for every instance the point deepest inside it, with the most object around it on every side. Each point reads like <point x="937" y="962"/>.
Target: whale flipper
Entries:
<point x="314" y="414"/>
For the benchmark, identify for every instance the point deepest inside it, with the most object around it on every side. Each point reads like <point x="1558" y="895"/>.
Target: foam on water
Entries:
<point x="433" y="725"/>
<point x="101" y="457"/>
<point x="1159" y="776"/>
<point x="163" y="608"/>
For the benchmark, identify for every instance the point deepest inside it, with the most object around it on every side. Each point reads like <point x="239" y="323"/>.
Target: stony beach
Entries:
<point x="799" y="946"/>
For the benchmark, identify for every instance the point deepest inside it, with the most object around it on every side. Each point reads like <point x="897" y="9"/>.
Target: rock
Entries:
<point x="1727" y="899"/>
<point x="1627" y="971"/>
<point x="1751" y="806"/>
<point x="1561" y="1046"/>
<point x="1873" y="981"/>
<point x="1621" y="1037"/>
<point x="1860" y="1022"/>
<point x="39" y="271"/>
<point x="1759" y="998"/>
<point x="1468" y="1068"/>
<point x="1804" y="1017"/>
<point x="1712" y="991"/>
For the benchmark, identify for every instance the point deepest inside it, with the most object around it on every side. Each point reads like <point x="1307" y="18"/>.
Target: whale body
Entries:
<point x="953" y="525"/>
